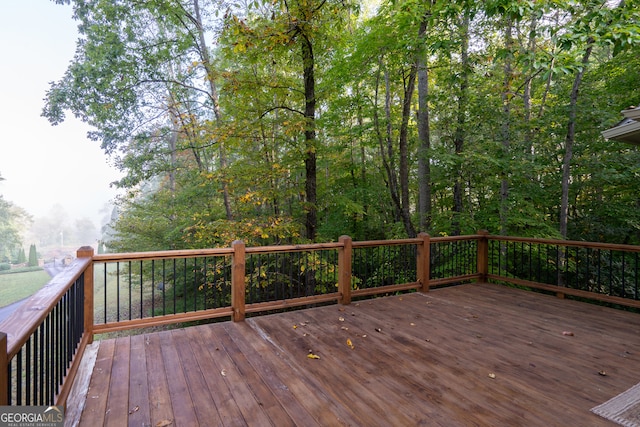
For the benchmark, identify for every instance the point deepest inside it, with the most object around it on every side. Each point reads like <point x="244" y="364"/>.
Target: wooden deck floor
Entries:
<point x="471" y="355"/>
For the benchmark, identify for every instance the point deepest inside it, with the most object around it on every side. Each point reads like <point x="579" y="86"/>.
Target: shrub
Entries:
<point x="5" y="266"/>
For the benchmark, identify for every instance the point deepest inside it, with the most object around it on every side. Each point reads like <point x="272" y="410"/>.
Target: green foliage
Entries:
<point x="12" y="221"/>
<point x="205" y="168"/>
<point x="22" y="256"/>
<point x="33" y="256"/>
<point x="5" y="266"/>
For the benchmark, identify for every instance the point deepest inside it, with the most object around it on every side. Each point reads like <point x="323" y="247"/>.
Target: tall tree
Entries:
<point x="424" y="138"/>
<point x="461" y="118"/>
<point x="301" y="26"/>
<point x="595" y="24"/>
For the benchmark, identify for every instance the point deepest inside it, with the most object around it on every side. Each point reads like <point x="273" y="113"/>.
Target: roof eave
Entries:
<point x="626" y="133"/>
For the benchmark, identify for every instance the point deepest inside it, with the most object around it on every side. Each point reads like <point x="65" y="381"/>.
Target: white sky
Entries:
<point x="44" y="165"/>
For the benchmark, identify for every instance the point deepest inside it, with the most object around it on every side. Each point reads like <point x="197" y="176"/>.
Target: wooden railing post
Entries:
<point x="483" y="256"/>
<point x="4" y="365"/>
<point x="423" y="262"/>
<point x="87" y="252"/>
<point x="344" y="269"/>
<point x="238" y="281"/>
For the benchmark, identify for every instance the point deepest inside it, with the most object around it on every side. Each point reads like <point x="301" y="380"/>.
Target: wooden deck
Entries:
<point x="471" y="355"/>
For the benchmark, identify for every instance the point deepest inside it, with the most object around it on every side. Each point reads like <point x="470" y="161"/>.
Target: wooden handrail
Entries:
<point x="575" y="243"/>
<point x="138" y="256"/>
<point x="23" y="322"/>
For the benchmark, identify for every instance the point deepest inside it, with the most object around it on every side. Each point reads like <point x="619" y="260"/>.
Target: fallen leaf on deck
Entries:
<point x="344" y="328"/>
<point x="567" y="333"/>
<point x="313" y="356"/>
<point x="350" y="344"/>
<point x="341" y="319"/>
<point x="295" y="326"/>
<point x="412" y="324"/>
<point x="136" y="409"/>
<point x="602" y="373"/>
<point x="223" y="373"/>
<point x="378" y="330"/>
<point x="364" y="336"/>
<point x="164" y="423"/>
<point x="492" y="376"/>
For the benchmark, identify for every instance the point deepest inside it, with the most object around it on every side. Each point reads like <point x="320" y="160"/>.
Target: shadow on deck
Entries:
<point x="474" y="354"/>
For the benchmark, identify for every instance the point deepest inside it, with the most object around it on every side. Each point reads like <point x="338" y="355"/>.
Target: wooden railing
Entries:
<point x="42" y="343"/>
<point x="595" y="271"/>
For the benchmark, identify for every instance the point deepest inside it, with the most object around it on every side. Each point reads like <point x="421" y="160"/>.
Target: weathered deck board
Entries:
<point x="417" y="359"/>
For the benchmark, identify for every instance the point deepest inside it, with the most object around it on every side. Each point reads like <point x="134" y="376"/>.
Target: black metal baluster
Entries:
<point x="117" y="292"/>
<point x="635" y="275"/>
<point x="130" y="291"/>
<point x="105" y="293"/>
<point x="141" y="292"/>
<point x="164" y="286"/>
<point x="587" y="276"/>
<point x="598" y="271"/>
<point x="153" y="288"/>
<point x="195" y="280"/>
<point x="624" y="276"/>
<point x="204" y="282"/>
<point x="18" y="359"/>
<point x="27" y="372"/>
<point x="610" y="273"/>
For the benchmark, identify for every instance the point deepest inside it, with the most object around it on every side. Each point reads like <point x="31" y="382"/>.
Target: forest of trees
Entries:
<point x="302" y="120"/>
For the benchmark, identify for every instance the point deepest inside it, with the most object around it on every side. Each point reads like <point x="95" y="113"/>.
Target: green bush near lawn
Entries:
<point x="20" y="285"/>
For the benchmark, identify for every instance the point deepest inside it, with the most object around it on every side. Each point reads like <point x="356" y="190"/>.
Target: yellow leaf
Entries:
<point x="350" y="344"/>
<point x="313" y="356"/>
<point x="164" y="423"/>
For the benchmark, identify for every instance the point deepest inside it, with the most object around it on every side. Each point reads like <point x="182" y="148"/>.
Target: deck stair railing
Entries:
<point x="42" y="344"/>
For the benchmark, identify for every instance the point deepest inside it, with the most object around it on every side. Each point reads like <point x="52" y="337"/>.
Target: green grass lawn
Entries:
<point x="16" y="286"/>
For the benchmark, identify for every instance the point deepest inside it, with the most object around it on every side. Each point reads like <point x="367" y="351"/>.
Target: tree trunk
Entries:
<point x="386" y="153"/>
<point x="424" y="147"/>
<point x="404" y="153"/>
<point x="206" y="60"/>
<point x="458" y="140"/>
<point x="569" y="140"/>
<point x="310" y="137"/>
<point x="390" y="162"/>
<point x="529" y="149"/>
<point x="506" y="130"/>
